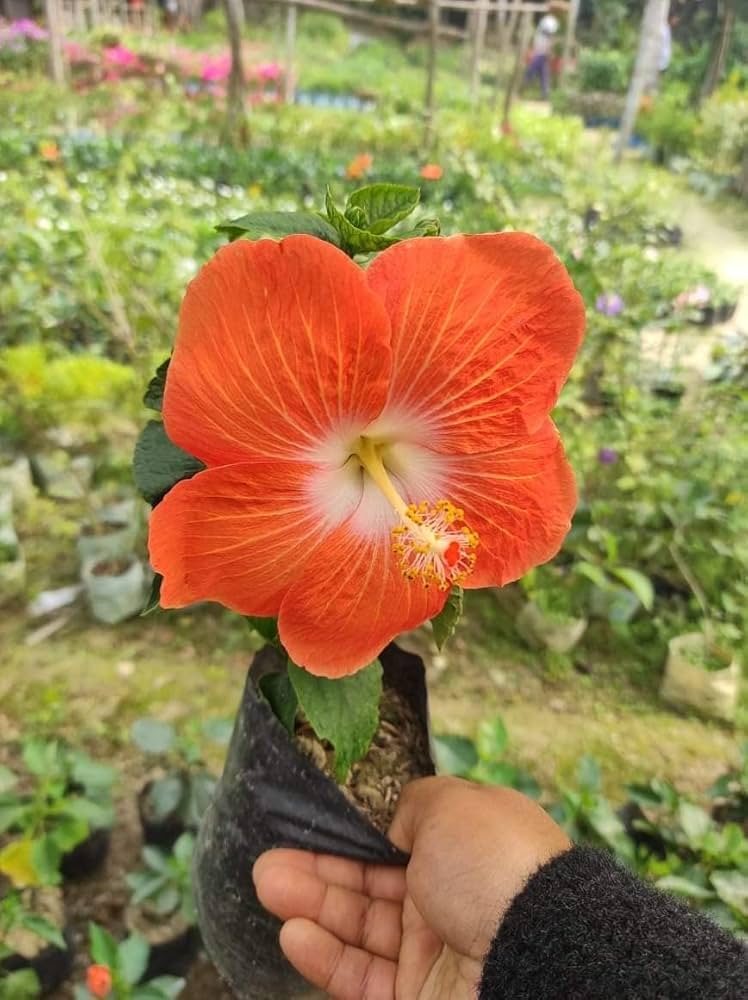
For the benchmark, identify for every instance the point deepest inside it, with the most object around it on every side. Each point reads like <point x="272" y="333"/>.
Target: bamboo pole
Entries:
<point x="53" y="12"/>
<point x="524" y="39"/>
<point x="571" y="28"/>
<point x="289" y="84"/>
<point x="430" y="98"/>
<point x="479" y="40"/>
<point x="236" y="113"/>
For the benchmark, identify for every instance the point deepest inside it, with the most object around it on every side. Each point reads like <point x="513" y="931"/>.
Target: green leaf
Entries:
<point x="588" y="774"/>
<point x="265" y="627"/>
<point x="158" y="464"/>
<point x="276" y="225"/>
<point x="47" y="853"/>
<point x="162" y="988"/>
<point x="218" y="730"/>
<point x="94" y="814"/>
<point x="593" y="573"/>
<point x="444" y="624"/>
<point x="683" y="887"/>
<point x="45" y="930"/>
<point x="637" y="583"/>
<point x="144" y="886"/>
<point x="8" y="779"/>
<point x="493" y="739"/>
<point x="495" y="773"/>
<point x="345" y="711"/>
<point x="455" y="755"/>
<point x="183" y="848"/>
<point x="382" y="205"/>
<point x="732" y="888"/>
<point x="695" y="822"/>
<point x="152" y="735"/>
<point x="11" y="814"/>
<point x="103" y="947"/>
<point x="156" y="859"/>
<point x="352" y="239"/>
<point x="22" y="985"/>
<point x="200" y="788"/>
<point x="165" y="797"/>
<point x="91" y="774"/>
<point x="41" y="757"/>
<point x="153" y="600"/>
<point x="279" y="692"/>
<point x="133" y="958"/>
<point x="154" y="394"/>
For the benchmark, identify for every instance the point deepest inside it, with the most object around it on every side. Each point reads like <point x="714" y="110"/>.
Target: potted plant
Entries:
<point x="60" y="821"/>
<point x="109" y="536"/>
<point x="550" y="619"/>
<point x="162" y="908"/>
<point x="173" y="802"/>
<point x="700" y="673"/>
<point x="332" y="486"/>
<point x="115" y="588"/>
<point x="35" y="952"/>
<point x="118" y="971"/>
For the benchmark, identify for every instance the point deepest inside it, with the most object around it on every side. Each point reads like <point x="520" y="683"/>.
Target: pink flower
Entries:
<point x="28" y="29"/>
<point x="118" y="55"/>
<point x="216" y="68"/>
<point x="269" y="71"/>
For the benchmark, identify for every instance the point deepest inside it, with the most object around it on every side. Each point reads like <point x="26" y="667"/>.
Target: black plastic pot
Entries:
<point x="52" y="965"/>
<point x="175" y="956"/>
<point x="162" y="832"/>
<point x="271" y="795"/>
<point x="88" y="856"/>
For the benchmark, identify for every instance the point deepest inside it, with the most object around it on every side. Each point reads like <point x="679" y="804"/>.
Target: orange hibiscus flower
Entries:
<point x="359" y="166"/>
<point x="432" y="172"/>
<point x="371" y="437"/>
<point x="99" y="980"/>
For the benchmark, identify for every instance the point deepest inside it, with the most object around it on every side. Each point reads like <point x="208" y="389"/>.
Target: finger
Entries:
<point x="342" y="971"/>
<point x="371" y="924"/>
<point x="415" y="805"/>
<point x="378" y="881"/>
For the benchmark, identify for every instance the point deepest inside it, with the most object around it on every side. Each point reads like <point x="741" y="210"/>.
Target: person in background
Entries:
<point x="496" y="904"/>
<point x="540" y="56"/>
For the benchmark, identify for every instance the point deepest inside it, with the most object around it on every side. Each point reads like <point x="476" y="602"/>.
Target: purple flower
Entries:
<point x="28" y="29"/>
<point x="607" y="456"/>
<point x="609" y="304"/>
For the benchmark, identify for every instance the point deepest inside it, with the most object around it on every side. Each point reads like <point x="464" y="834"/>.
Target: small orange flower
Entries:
<point x="432" y="172"/>
<point x="99" y="980"/>
<point x="371" y="437"/>
<point x="49" y="151"/>
<point x="359" y="166"/>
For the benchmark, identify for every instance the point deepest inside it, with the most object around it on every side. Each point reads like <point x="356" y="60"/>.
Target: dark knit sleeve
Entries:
<point x="584" y="928"/>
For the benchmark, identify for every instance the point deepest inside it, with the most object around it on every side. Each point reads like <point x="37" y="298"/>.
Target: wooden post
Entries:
<point x="645" y="69"/>
<point x="53" y="12"/>
<point x="523" y="41"/>
<point x="289" y="84"/>
<point x="571" y="27"/>
<point x="236" y="114"/>
<point x="430" y="98"/>
<point x="719" y="49"/>
<point x="479" y="38"/>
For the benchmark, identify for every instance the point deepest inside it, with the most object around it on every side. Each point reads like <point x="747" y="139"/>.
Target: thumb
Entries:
<point x="419" y="800"/>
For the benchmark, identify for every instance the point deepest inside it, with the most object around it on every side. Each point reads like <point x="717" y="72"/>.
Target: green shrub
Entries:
<point x="669" y="125"/>
<point x="604" y="69"/>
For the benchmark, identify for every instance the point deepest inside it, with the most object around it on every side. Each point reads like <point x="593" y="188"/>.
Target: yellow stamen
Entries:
<point x="432" y="543"/>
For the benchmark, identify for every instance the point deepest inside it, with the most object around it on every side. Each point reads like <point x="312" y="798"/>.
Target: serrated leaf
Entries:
<point x="158" y="464"/>
<point x="455" y="755"/>
<point x="637" y="583"/>
<point x="153" y="735"/>
<point x="280" y="694"/>
<point x="133" y="958"/>
<point x="276" y="225"/>
<point x="352" y="239"/>
<point x="382" y="206"/>
<point x="445" y="623"/>
<point x="154" y="394"/>
<point x="103" y="947"/>
<point x="267" y="628"/>
<point x="345" y="711"/>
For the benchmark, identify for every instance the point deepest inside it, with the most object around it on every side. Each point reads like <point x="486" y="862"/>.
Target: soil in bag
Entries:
<point x="274" y="792"/>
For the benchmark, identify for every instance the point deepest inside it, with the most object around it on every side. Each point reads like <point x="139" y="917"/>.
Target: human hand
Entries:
<point x="371" y="932"/>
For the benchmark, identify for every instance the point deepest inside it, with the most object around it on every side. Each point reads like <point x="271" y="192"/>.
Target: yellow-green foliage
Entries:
<point x="40" y="390"/>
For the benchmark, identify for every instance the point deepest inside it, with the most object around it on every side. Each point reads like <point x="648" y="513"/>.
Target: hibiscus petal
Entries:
<point x="238" y="535"/>
<point x="280" y="346"/>
<point x="350" y="601"/>
<point x="484" y="331"/>
<point x="519" y="498"/>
